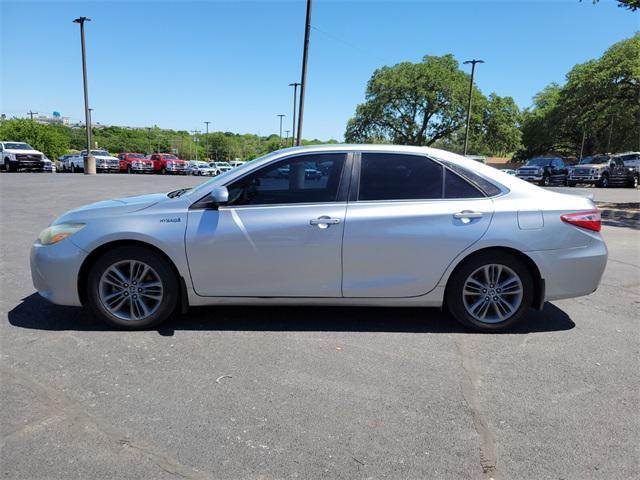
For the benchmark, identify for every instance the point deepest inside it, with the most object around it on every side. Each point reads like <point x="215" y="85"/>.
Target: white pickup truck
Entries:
<point x="105" y="162"/>
<point x="16" y="155"/>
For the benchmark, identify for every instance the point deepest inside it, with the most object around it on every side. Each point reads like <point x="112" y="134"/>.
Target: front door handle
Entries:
<point x="324" y="221"/>
<point x="468" y="214"/>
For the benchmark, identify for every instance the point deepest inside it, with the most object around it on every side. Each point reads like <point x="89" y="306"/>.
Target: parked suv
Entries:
<point x="166" y="163"/>
<point x="17" y="155"/>
<point x="631" y="160"/>
<point x="602" y="171"/>
<point x="135" y="163"/>
<point x="544" y="171"/>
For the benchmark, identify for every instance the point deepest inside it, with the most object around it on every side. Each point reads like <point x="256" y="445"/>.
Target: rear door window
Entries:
<point x="389" y="176"/>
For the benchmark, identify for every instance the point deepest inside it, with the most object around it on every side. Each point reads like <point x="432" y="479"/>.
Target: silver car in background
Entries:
<point x="383" y="226"/>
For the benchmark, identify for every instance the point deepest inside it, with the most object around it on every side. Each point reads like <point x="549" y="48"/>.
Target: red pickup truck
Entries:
<point x="135" y="163"/>
<point x="167" y="163"/>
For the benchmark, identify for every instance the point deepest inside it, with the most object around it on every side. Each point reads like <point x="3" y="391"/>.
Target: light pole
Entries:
<point x="281" y="115"/>
<point x="89" y="160"/>
<point x="295" y="86"/>
<point x="206" y="147"/>
<point x="31" y="114"/>
<point x="466" y="132"/>
<point x="286" y="138"/>
<point x="303" y="79"/>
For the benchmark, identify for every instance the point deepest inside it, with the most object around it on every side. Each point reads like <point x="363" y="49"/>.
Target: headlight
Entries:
<point x="55" y="233"/>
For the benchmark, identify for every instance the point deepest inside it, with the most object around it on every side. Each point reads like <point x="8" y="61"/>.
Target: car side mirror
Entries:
<point x="219" y="196"/>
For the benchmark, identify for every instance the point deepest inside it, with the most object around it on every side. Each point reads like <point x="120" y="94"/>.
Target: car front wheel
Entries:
<point x="132" y="287"/>
<point x="490" y="292"/>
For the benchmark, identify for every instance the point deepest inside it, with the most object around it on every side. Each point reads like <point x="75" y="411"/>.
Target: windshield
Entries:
<point x="136" y="155"/>
<point x="594" y="160"/>
<point x="222" y="164"/>
<point x="18" y="146"/>
<point x="538" y="162"/>
<point x="101" y="153"/>
<point x="169" y="157"/>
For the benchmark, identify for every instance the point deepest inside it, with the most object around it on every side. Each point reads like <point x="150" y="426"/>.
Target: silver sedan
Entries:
<point x="379" y="225"/>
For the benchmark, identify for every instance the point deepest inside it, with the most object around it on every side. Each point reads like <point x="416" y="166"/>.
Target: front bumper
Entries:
<point x="55" y="269"/>
<point x="584" y="178"/>
<point x="530" y="178"/>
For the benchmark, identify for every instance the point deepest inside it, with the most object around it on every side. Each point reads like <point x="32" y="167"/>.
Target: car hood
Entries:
<point x="25" y="152"/>
<point x="107" y="208"/>
<point x="590" y="165"/>
<point x="104" y="157"/>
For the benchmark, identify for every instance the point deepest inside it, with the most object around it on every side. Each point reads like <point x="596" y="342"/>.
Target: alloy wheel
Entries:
<point x="492" y="293"/>
<point x="130" y="290"/>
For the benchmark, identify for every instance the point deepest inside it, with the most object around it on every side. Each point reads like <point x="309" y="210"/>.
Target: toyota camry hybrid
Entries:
<point x="378" y="225"/>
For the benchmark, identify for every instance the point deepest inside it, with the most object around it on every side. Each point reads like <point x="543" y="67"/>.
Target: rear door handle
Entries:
<point x="324" y="221"/>
<point x="467" y="214"/>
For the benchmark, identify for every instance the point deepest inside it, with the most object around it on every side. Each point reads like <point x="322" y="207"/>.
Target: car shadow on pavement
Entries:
<point x="36" y="313"/>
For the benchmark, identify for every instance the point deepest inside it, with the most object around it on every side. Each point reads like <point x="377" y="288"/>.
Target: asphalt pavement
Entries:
<point x="336" y="393"/>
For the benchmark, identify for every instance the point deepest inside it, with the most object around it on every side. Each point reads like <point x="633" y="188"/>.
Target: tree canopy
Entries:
<point x="600" y="101"/>
<point x="426" y="104"/>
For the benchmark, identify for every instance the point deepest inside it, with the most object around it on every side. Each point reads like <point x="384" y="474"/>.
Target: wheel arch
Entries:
<point x="102" y="249"/>
<point x="532" y="267"/>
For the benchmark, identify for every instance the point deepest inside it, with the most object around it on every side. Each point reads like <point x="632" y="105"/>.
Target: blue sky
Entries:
<point x="176" y="64"/>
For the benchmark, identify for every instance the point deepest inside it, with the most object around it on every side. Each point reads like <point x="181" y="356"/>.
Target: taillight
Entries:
<point x="589" y="220"/>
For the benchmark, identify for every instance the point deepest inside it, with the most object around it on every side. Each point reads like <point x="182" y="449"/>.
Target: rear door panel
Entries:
<point x="402" y="248"/>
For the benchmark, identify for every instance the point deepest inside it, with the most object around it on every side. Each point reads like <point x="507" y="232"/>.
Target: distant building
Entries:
<point x="54" y="119"/>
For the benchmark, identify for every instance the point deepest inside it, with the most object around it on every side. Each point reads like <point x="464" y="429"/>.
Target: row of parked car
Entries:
<point x="16" y="156"/>
<point x="162" y="163"/>
<point x="604" y="170"/>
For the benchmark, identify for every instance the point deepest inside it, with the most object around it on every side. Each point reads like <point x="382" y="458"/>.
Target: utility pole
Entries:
<point x="466" y="132"/>
<point x="89" y="160"/>
<point x="206" y="147"/>
<point x="281" y="115"/>
<point x="31" y="114"/>
<point x="303" y="79"/>
<point x="286" y="139"/>
<point x="295" y="86"/>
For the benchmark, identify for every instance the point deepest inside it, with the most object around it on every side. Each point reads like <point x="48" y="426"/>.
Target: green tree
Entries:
<point x="413" y="103"/>
<point x="600" y="101"/>
<point x="45" y="138"/>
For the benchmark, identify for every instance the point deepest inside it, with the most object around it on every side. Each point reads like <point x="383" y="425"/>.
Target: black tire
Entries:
<point x="546" y="180"/>
<point x="168" y="277"/>
<point x="10" y="167"/>
<point x="571" y="184"/>
<point x="454" y="298"/>
<point x="604" y="181"/>
<point x="6" y="164"/>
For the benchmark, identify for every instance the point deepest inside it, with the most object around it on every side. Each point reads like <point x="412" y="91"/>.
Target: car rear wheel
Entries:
<point x="132" y="287"/>
<point x="490" y="292"/>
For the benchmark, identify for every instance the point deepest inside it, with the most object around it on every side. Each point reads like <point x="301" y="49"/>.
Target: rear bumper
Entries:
<point x="572" y="272"/>
<point x="54" y="271"/>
